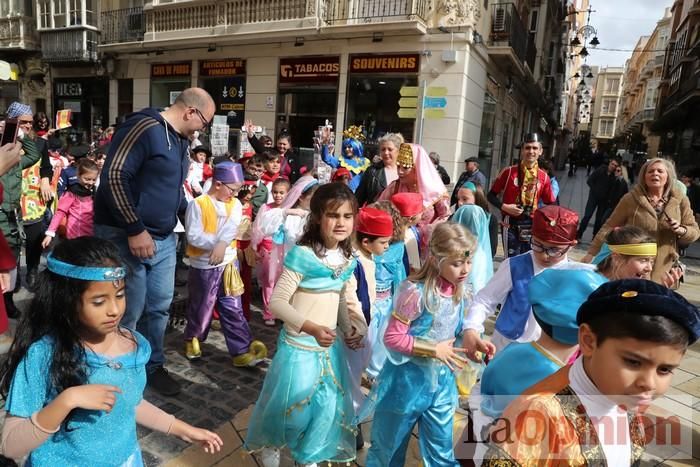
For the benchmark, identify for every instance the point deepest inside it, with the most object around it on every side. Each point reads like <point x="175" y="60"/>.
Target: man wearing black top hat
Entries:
<point x="522" y="186"/>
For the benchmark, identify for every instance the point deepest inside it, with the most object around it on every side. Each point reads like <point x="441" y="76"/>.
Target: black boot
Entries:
<point x="31" y="280"/>
<point x="10" y="307"/>
<point x="359" y="439"/>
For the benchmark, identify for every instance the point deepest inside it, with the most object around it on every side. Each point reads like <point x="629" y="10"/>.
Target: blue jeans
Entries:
<point x="149" y="289"/>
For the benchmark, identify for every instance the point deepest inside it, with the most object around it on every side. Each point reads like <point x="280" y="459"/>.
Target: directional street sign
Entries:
<point x="435" y="102"/>
<point x="407" y="113"/>
<point x="408" y="104"/>
<point x="436" y="91"/>
<point x="434" y="113"/>
<point x="409" y="91"/>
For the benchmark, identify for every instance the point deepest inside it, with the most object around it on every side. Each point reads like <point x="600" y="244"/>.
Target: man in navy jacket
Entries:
<point x="136" y="207"/>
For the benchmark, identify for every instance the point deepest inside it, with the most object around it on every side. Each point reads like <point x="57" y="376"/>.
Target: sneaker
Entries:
<point x="192" y="350"/>
<point x="270" y="457"/>
<point x="160" y="381"/>
<point x="255" y="354"/>
<point x="270" y="322"/>
<point x="216" y="325"/>
<point x="5" y="343"/>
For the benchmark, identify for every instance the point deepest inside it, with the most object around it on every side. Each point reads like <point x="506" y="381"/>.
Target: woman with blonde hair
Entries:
<point x="656" y="205"/>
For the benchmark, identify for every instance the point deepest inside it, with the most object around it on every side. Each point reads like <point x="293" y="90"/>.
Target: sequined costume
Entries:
<point x="304" y="403"/>
<point x="414" y="389"/>
<point x="90" y="437"/>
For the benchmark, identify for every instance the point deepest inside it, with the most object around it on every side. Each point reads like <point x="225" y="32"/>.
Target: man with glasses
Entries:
<point x="553" y="235"/>
<point x="136" y="207"/>
<point x="600" y="182"/>
<point x="522" y="187"/>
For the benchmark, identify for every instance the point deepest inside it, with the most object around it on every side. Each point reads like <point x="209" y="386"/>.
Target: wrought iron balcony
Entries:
<point x="375" y="11"/>
<point x="508" y="32"/>
<point x="18" y="32"/>
<point x="69" y="45"/>
<point x="126" y="25"/>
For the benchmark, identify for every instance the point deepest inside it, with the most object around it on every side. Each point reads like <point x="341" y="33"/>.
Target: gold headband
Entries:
<point x="405" y="158"/>
<point x="635" y="249"/>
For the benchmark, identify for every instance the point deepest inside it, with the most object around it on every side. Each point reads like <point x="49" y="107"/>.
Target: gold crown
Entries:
<point x="354" y="132"/>
<point x="405" y="158"/>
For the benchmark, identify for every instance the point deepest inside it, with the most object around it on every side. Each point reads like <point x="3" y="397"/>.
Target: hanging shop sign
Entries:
<point x="392" y="63"/>
<point x="163" y="70"/>
<point x="309" y="69"/>
<point x="217" y="68"/>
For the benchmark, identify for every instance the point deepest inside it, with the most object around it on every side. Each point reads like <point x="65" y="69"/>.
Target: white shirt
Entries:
<point x="226" y="230"/>
<point x="496" y="291"/>
<point x="270" y="220"/>
<point x="605" y="415"/>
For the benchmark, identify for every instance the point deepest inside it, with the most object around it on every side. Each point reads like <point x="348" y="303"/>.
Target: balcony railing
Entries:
<point x="125" y="25"/>
<point x="507" y="27"/>
<point x="69" y="45"/>
<point x="18" y="32"/>
<point x="210" y="14"/>
<point x="375" y="11"/>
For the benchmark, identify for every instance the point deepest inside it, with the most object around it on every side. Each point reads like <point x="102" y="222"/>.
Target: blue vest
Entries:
<point x="516" y="310"/>
<point x="362" y="291"/>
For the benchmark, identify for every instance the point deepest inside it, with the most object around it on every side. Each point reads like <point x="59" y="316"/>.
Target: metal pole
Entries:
<point x="419" y="116"/>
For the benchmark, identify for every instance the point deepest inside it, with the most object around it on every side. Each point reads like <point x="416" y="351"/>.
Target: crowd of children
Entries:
<point x="390" y="296"/>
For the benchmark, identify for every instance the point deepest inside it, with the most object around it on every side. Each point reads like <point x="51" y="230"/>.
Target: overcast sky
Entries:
<point x="620" y="23"/>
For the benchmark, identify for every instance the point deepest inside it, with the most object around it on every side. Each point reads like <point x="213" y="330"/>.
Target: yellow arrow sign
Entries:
<point x="407" y="113"/>
<point x="409" y="91"/>
<point x="408" y="102"/>
<point x="436" y="91"/>
<point x="434" y="113"/>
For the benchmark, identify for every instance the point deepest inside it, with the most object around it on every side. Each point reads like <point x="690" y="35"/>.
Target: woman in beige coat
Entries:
<point x="659" y="207"/>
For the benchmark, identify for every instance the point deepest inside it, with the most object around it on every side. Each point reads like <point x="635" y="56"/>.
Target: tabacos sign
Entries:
<point x="309" y="69"/>
<point x="391" y="63"/>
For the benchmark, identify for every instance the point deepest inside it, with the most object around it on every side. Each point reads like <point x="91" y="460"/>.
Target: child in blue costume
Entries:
<point x="73" y="382"/>
<point x="555" y="297"/>
<point x="553" y="234"/>
<point x="351" y="157"/>
<point x="391" y="269"/>
<point x="305" y="403"/>
<point x="417" y="384"/>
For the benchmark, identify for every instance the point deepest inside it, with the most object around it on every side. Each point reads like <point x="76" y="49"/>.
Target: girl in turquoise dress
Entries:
<point x="417" y="384"/>
<point x="74" y="379"/>
<point x="305" y="403"/>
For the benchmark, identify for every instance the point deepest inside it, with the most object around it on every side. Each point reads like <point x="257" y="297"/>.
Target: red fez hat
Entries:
<point x="373" y="221"/>
<point x="555" y="224"/>
<point x="408" y="204"/>
<point x="341" y="172"/>
<point x="247" y="155"/>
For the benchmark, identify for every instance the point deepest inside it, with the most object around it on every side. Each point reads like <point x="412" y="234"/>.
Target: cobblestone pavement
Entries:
<point x="218" y="396"/>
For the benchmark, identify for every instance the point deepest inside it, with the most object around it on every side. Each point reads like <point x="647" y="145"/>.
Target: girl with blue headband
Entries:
<point x="73" y="382"/>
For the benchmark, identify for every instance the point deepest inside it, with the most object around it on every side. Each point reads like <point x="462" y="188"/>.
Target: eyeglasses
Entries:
<point x="552" y="252"/>
<point x="232" y="191"/>
<point x="201" y="117"/>
<point x="25" y="122"/>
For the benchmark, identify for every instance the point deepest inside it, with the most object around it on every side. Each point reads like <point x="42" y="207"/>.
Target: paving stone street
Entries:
<point x="218" y="396"/>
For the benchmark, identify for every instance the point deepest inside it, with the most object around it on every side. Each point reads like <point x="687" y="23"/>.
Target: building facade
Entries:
<point x="643" y="72"/>
<point x="677" y="121"/>
<point x="464" y="78"/>
<point x="608" y="87"/>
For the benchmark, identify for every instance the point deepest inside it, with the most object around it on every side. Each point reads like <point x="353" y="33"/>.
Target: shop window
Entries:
<point x="373" y="102"/>
<point x="125" y="96"/>
<point x="488" y="119"/>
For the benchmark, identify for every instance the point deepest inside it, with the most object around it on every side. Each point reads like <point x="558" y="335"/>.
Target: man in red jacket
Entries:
<point x="522" y="186"/>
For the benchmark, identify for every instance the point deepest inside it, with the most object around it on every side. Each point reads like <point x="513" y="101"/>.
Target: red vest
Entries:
<point x="508" y="183"/>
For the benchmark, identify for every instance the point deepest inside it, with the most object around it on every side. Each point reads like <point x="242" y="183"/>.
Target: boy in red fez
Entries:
<point x="374" y="230"/>
<point x="342" y="175"/>
<point x="553" y="234"/>
<point x="410" y="205"/>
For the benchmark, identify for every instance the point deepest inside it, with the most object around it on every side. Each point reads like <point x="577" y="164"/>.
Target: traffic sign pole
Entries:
<point x="420" y="118"/>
